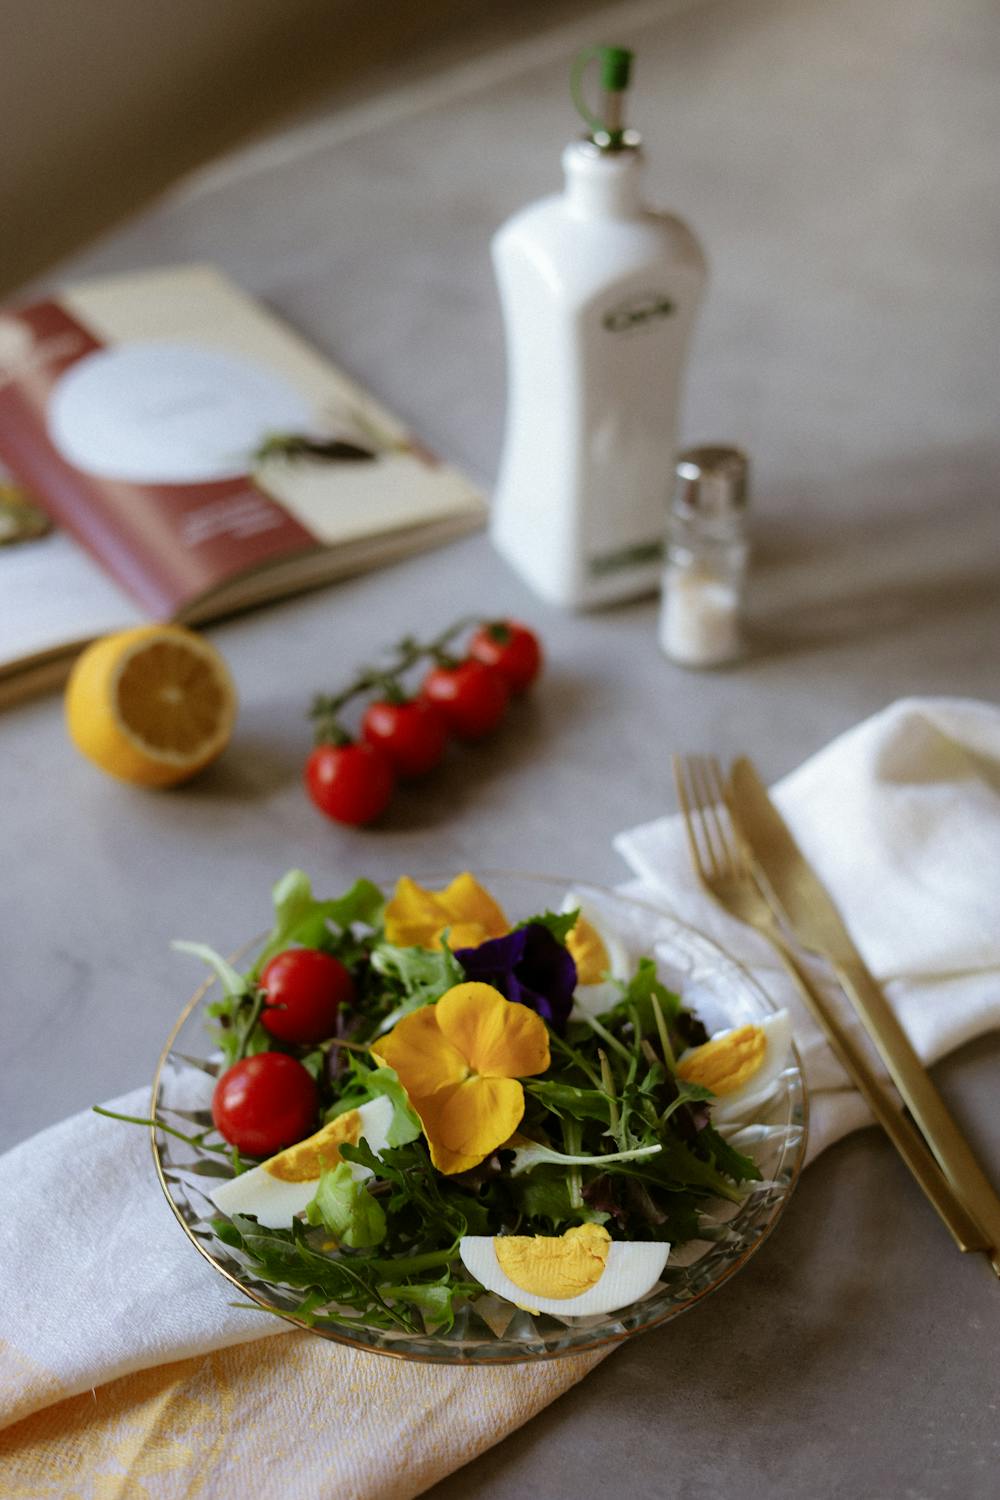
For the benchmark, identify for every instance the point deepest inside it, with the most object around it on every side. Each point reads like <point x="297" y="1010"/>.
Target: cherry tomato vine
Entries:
<point x="404" y="731"/>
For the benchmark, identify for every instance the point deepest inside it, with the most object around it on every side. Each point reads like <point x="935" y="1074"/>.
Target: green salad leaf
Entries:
<point x="559" y="923"/>
<point x="414" y="976"/>
<point x="300" y="918"/>
<point x="235" y="986"/>
<point x="610" y="1133"/>
<point x="346" y="1208"/>
<point x="370" y="1083"/>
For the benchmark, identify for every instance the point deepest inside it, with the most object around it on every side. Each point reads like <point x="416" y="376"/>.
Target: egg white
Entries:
<point x="631" y="1270"/>
<point x="595" y="999"/>
<point x="741" y="1104"/>
<point x="274" y="1202"/>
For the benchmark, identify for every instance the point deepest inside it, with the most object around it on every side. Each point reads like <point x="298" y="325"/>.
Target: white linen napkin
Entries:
<point x="900" y="817"/>
<point x="122" y="1357"/>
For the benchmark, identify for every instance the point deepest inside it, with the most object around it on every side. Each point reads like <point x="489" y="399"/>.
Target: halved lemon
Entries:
<point x="152" y="706"/>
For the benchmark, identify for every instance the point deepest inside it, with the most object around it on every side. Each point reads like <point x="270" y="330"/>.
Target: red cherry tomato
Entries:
<point x="350" y="783"/>
<point x="472" y="698"/>
<point x="303" y="990"/>
<point x="512" y="649"/>
<point x="265" y="1103"/>
<point x="412" y="734"/>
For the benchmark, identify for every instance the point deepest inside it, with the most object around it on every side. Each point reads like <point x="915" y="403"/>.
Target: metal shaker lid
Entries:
<point x="711" y="483"/>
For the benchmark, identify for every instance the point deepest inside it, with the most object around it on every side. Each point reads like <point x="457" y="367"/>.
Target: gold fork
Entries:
<point x="723" y="868"/>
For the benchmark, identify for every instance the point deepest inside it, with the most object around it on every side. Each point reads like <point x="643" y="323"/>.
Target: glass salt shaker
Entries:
<point x="707" y="553"/>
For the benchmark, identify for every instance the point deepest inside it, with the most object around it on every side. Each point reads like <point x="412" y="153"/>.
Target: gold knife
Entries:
<point x="818" y="926"/>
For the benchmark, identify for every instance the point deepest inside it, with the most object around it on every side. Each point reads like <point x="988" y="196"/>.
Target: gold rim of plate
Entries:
<point x="453" y="1354"/>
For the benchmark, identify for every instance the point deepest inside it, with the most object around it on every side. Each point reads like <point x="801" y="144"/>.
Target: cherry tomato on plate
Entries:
<point x="413" y="734"/>
<point x="350" y="783"/>
<point x="512" y="649"/>
<point x="471" y="697"/>
<point x="265" y="1103"/>
<point x="303" y="991"/>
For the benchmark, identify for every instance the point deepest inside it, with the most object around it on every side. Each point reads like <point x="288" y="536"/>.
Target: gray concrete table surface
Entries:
<point x="838" y="161"/>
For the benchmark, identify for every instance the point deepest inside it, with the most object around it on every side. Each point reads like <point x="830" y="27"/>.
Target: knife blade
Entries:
<point x="810" y="913"/>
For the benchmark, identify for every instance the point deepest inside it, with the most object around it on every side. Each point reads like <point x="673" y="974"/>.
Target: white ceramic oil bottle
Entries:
<point x="599" y="293"/>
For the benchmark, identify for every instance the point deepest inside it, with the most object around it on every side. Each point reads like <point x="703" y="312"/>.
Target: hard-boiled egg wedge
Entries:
<point x="284" y="1185"/>
<point x="580" y="1272"/>
<point x="600" y="959"/>
<point x="742" y="1066"/>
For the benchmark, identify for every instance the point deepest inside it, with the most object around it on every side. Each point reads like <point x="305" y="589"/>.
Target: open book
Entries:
<point x="196" y="457"/>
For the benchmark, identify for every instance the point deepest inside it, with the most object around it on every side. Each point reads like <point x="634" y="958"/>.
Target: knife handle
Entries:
<point x="964" y="1230"/>
<point x="925" y="1104"/>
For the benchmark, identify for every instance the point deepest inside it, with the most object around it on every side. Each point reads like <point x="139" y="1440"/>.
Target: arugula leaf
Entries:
<point x="545" y="1194"/>
<point x="728" y="1160"/>
<point x="688" y="1093"/>
<point x="559" y="923"/>
<point x="637" y="995"/>
<point x="564" y="1099"/>
<point x="533" y="1153"/>
<point x="677" y="1167"/>
<point x="435" y="1299"/>
<point x="286" y="1257"/>
<point x="345" y="1207"/>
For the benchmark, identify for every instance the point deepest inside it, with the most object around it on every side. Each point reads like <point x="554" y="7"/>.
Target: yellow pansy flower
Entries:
<point x="417" y="918"/>
<point x="460" y="1061"/>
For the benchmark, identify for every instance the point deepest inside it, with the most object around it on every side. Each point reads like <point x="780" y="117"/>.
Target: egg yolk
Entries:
<point x="555" y="1265"/>
<point x="307" y="1161"/>
<point x="589" y="953"/>
<point x="727" y="1062"/>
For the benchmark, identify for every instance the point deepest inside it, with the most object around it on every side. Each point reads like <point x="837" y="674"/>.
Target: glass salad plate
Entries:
<point x="489" y="1329"/>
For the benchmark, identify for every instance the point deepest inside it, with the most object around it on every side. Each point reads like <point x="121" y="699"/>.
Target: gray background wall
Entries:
<point x="103" y="103"/>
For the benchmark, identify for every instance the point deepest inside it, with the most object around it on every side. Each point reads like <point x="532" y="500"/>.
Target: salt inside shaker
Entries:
<point x="707" y="553"/>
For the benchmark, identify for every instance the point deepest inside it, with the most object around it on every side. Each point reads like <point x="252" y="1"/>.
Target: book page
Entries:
<point x="51" y="593"/>
<point x="337" y="501"/>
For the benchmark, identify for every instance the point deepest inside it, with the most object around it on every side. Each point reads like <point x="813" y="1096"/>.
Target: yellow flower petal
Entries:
<point x="465" y="900"/>
<point x="424" y="1059"/>
<point x="462" y="935"/>
<point x="465" y="1123"/>
<point x="500" y="1038"/>
<point x="417" y="917"/>
<point x="413" y="915"/>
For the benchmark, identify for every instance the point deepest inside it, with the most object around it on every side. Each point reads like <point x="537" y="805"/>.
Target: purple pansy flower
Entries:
<point x="528" y="966"/>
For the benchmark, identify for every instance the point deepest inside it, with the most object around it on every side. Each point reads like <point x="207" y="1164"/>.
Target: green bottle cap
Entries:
<point x="616" y="65"/>
<point x="607" y="129"/>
